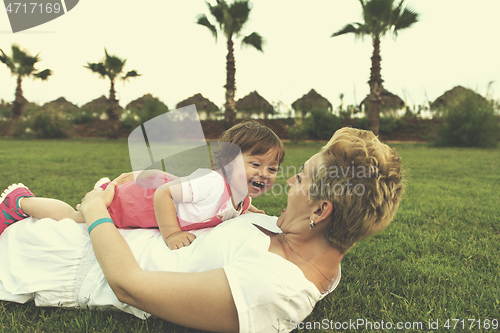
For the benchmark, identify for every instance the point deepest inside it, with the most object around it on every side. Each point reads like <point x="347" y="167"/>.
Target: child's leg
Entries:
<point x="51" y="208"/>
<point x="11" y="209"/>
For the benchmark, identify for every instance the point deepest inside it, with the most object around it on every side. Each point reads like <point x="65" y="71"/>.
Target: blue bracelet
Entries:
<point x="99" y="221"/>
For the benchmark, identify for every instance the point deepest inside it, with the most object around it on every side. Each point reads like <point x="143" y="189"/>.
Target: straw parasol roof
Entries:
<point x="140" y="103"/>
<point x="61" y="106"/>
<point x="453" y="96"/>
<point x="310" y="101"/>
<point x="202" y="103"/>
<point x="60" y="103"/>
<point x="254" y="103"/>
<point x="389" y="100"/>
<point x="98" y="105"/>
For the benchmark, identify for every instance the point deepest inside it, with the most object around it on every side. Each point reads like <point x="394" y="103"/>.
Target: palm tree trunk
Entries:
<point x="376" y="88"/>
<point x="112" y="112"/>
<point x="230" y="86"/>
<point x="17" y="106"/>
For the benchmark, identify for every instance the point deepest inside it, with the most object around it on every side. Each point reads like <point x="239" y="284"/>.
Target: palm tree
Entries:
<point x="231" y="19"/>
<point x="380" y="17"/>
<point x="22" y="64"/>
<point x="112" y="67"/>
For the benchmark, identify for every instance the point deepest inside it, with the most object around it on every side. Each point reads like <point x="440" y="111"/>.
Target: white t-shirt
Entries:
<point x="268" y="290"/>
<point x="202" y="192"/>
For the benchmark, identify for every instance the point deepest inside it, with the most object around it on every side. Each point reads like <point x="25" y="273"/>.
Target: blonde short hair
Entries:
<point x="363" y="179"/>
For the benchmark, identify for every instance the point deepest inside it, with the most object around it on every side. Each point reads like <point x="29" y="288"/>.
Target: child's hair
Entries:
<point x="248" y="137"/>
<point x="363" y="179"/>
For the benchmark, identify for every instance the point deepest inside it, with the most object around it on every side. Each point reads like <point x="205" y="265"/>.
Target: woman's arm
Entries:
<point x="197" y="300"/>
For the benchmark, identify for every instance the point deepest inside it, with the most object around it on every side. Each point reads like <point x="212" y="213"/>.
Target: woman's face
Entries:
<point x="299" y="206"/>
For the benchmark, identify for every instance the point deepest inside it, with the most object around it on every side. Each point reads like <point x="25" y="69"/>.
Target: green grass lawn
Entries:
<point x="438" y="260"/>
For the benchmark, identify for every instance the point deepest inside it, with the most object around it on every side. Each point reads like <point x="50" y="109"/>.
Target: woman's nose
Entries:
<point x="290" y="181"/>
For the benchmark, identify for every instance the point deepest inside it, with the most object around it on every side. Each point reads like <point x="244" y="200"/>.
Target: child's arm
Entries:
<point x="166" y="216"/>
<point x="253" y="209"/>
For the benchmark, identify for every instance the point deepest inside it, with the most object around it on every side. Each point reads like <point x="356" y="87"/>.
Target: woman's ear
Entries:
<point x="322" y="211"/>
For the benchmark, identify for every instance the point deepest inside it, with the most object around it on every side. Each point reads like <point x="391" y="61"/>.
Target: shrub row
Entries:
<point x="472" y="122"/>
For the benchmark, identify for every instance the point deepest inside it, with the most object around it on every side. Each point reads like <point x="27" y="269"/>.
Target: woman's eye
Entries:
<point x="298" y="178"/>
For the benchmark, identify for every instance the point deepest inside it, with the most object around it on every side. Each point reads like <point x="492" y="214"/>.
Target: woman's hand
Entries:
<point x="97" y="197"/>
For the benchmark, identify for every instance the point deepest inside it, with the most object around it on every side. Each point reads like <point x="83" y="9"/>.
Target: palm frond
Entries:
<point x="398" y="9"/>
<point x="255" y="40"/>
<point x="218" y="10"/>
<point x="97" y="67"/>
<point x="27" y="67"/>
<point x="7" y="61"/>
<point x="114" y="65"/>
<point x="406" y="19"/>
<point x="3" y="57"/>
<point x="238" y="13"/>
<point x="203" y="20"/>
<point x="29" y="61"/>
<point x="351" y="28"/>
<point x="378" y="15"/>
<point x="22" y="62"/>
<point x="17" y="54"/>
<point x="43" y="75"/>
<point x="130" y="74"/>
<point x="382" y="9"/>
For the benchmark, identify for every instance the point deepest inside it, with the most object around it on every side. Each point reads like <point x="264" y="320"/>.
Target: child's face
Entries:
<point x="259" y="173"/>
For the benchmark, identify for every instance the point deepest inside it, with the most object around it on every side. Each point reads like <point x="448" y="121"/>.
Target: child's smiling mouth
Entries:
<point x="257" y="184"/>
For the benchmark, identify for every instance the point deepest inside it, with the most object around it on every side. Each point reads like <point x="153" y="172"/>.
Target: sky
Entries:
<point x="454" y="43"/>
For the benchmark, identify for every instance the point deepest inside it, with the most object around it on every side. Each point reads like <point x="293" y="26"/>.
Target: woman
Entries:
<point x="245" y="275"/>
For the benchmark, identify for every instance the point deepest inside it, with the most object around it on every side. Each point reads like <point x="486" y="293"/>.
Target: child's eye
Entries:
<point x="273" y="170"/>
<point x="255" y="164"/>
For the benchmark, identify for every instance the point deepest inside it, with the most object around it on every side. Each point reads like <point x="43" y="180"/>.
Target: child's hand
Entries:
<point x="123" y="178"/>
<point x="179" y="239"/>
<point x="253" y="209"/>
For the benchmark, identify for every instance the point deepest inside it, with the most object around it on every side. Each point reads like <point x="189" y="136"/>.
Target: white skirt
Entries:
<point x="44" y="260"/>
<point x="52" y="263"/>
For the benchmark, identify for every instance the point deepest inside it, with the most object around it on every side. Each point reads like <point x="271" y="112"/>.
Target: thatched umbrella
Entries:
<point x="453" y="96"/>
<point x="389" y="101"/>
<point x="204" y="106"/>
<point x="311" y="100"/>
<point x="61" y="107"/>
<point x="254" y="103"/>
<point x="61" y="101"/>
<point x="140" y="103"/>
<point x="202" y="103"/>
<point x="99" y="106"/>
